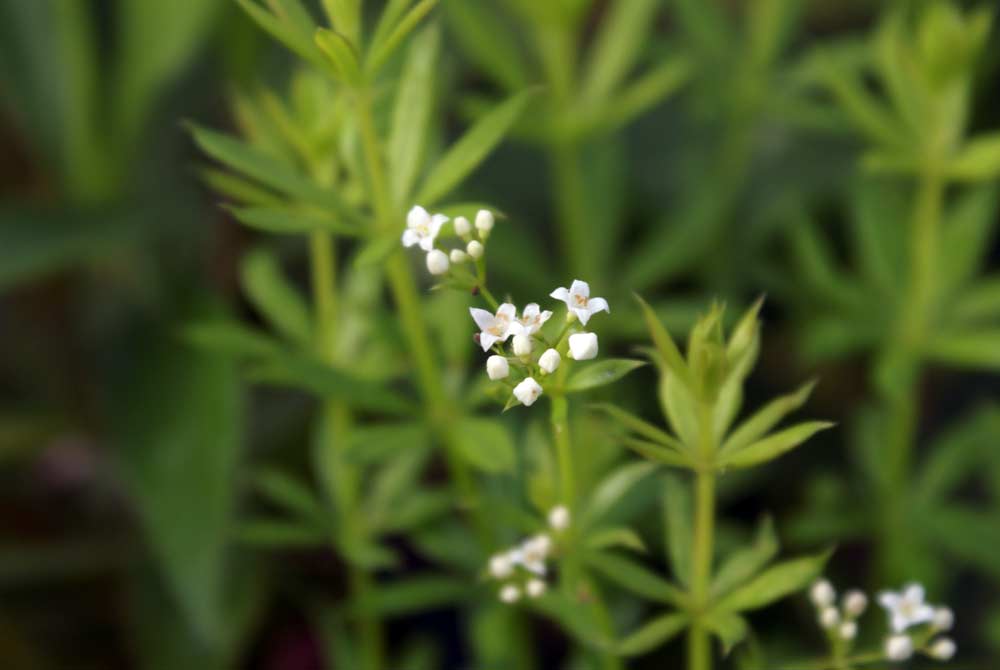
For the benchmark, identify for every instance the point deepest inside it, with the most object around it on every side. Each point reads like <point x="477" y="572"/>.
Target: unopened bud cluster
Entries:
<point x="522" y="569"/>
<point x="424" y="229"/>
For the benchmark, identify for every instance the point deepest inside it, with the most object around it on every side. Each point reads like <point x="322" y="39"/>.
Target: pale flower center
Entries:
<point x="580" y="300"/>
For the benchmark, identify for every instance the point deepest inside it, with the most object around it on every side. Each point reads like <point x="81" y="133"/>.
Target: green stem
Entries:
<point x="564" y="455"/>
<point x="699" y="648"/>
<point x="570" y="194"/>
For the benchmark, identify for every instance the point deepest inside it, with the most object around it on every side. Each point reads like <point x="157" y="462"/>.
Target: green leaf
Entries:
<point x="968" y="226"/>
<point x="773" y="446"/>
<point x="957" y="454"/>
<point x="978" y="303"/>
<point x="774" y="583"/>
<point x="376" y="443"/>
<point x="639" y="97"/>
<point x="618" y="536"/>
<point x="971" y="535"/>
<point x="469" y="151"/>
<point x="653" y="634"/>
<point x="340" y="54"/>
<point x="345" y="16"/>
<point x="291" y="495"/>
<point x="275" y="298"/>
<point x="637" y="425"/>
<point x="730" y="628"/>
<point x="488" y="42"/>
<point x="411" y="116"/>
<point x="414" y="594"/>
<point x="664" y="344"/>
<point x="613" y="488"/>
<point x="872" y="117"/>
<point x="620" y="38"/>
<point x="600" y="373"/>
<point x="655" y="452"/>
<point x="380" y="51"/>
<point x="978" y="160"/>
<point x="976" y="349"/>
<point x="283" y="30"/>
<point x="765" y="419"/>
<point x="279" y="534"/>
<point x="376" y="251"/>
<point x="747" y="562"/>
<point x="485" y="444"/>
<point x="231" y="338"/>
<point x="287" y="221"/>
<point x="677" y="516"/>
<point x="635" y="578"/>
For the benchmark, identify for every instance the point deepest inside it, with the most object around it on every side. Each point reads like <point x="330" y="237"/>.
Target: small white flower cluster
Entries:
<point x="496" y="329"/>
<point x="843" y="621"/>
<point x="906" y="610"/>
<point x="522" y="568"/>
<point x="423" y="229"/>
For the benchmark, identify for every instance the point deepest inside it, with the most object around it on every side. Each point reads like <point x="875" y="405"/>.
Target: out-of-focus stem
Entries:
<point x="699" y="647"/>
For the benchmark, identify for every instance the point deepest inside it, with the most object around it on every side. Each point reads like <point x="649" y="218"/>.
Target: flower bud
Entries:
<point x="484" y="222"/>
<point x="829" y="617"/>
<point x="437" y="262"/>
<point x="583" y="346"/>
<point x="522" y="344"/>
<point x="458" y="256"/>
<point x="848" y="630"/>
<point x="462" y="226"/>
<point x="944" y="618"/>
<point x="549" y="361"/>
<point x="475" y="249"/>
<point x="510" y="594"/>
<point x="497" y="367"/>
<point x="501" y="566"/>
<point x="535" y="588"/>
<point x="822" y="594"/>
<point x="943" y="649"/>
<point x="527" y="392"/>
<point x="559" y="516"/>
<point x="536" y="549"/>
<point x="898" y="647"/>
<point x="855" y="603"/>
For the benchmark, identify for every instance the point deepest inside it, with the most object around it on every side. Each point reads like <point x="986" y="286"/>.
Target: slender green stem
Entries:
<point x="699" y="648"/>
<point x="570" y="194"/>
<point x="564" y="456"/>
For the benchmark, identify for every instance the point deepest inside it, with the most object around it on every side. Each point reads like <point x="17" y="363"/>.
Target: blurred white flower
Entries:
<point x="528" y="391"/>
<point x="501" y="566"/>
<point x="848" y="630"/>
<point x="829" y="617"/>
<point x="437" y="262"/>
<point x="493" y="327"/>
<point x="522" y="345"/>
<point x="510" y="594"/>
<point x="943" y="649"/>
<point x="583" y="346"/>
<point x="475" y="249"/>
<point x="549" y="361"/>
<point x="855" y="603"/>
<point x="579" y="302"/>
<point x="906" y="608"/>
<point x="534" y="551"/>
<point x="422" y="228"/>
<point x="535" y="588"/>
<point x="484" y="222"/>
<point x="497" y="367"/>
<point x="559" y="515"/>
<point x="531" y="319"/>
<point x="898" y="647"/>
<point x="822" y="593"/>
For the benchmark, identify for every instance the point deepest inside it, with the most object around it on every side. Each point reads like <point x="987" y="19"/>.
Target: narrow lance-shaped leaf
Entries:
<point x="489" y="43"/>
<point x="613" y="487"/>
<point x="773" y="446"/>
<point x="381" y="51"/>
<point x="617" y="46"/>
<point x="230" y="338"/>
<point x="637" y="425"/>
<point x="463" y="156"/>
<point x="345" y="16"/>
<point x="665" y="346"/>
<point x="412" y="112"/>
<point x="728" y="627"/>
<point x="285" y="221"/>
<point x="635" y="578"/>
<point x="284" y="31"/>
<point x="979" y="160"/>
<point x="654" y="452"/>
<point x="485" y="444"/>
<point x="290" y="494"/>
<point x="773" y="584"/>
<point x="600" y="373"/>
<point x="617" y="536"/>
<point x="767" y="418"/>
<point x="677" y="516"/>
<point x="274" y="296"/>
<point x="747" y="562"/>
<point x="639" y="97"/>
<point x="342" y="57"/>
<point x="978" y="348"/>
<point x="653" y="634"/>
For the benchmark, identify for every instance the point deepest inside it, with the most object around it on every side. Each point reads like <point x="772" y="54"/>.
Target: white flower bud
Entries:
<point x="475" y="249"/>
<point x="944" y="618"/>
<point x="437" y="262"/>
<point x="855" y="603"/>
<point x="829" y="617"/>
<point x="462" y="226"/>
<point x="848" y="630"/>
<point x="559" y="516"/>
<point x="536" y="548"/>
<point x="549" y="361"/>
<point x="501" y="566"/>
<point x="583" y="346"/>
<point x="497" y="367"/>
<point x="528" y="391"/>
<point x="484" y="222"/>
<point x="535" y="588"/>
<point x="898" y="647"/>
<point x="943" y="649"/>
<point x="458" y="256"/>
<point x="822" y="594"/>
<point x="510" y="594"/>
<point x="522" y="344"/>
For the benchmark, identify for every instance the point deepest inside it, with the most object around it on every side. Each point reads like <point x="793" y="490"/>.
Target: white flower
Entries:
<point x="579" y="302"/>
<point x="534" y="551"/>
<point x="549" y="361"/>
<point x="531" y="319"/>
<point x="484" y="222"/>
<point x="855" y="603"/>
<point x="462" y="226"/>
<point x="522" y="345"/>
<point x="494" y="327"/>
<point x="559" y="515"/>
<point x="944" y="618"/>
<point x="829" y="617"/>
<point x="501" y="566"/>
<point x="822" y="593"/>
<point x="437" y="262"/>
<point x="497" y="367"/>
<point x="848" y="630"/>
<point x="535" y="588"/>
<point x="510" y="594"/>
<point x="528" y="391"/>
<point x="898" y="647"/>
<point x="422" y="228"/>
<point x="583" y="346"/>
<point x="458" y="256"/>
<point x="943" y="649"/>
<point x="906" y="608"/>
<point x="475" y="249"/>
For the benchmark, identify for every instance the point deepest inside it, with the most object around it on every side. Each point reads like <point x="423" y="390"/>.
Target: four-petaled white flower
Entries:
<point x="579" y="302"/>
<point x="527" y="391"/>
<point x="531" y="319"/>
<point x="494" y="327"/>
<point x="906" y="608"/>
<point x="582" y="346"/>
<point x="422" y="228"/>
